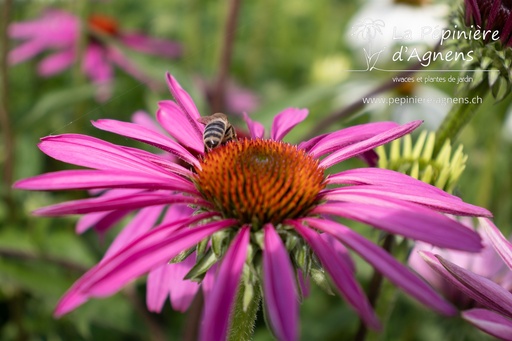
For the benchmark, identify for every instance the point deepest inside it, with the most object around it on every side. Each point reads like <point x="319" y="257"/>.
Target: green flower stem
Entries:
<point x="5" y="122"/>
<point x="242" y="322"/>
<point x="374" y="289"/>
<point x="460" y="115"/>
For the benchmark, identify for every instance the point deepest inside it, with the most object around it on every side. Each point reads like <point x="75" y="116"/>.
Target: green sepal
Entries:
<point x="320" y="278"/>
<point x="220" y="241"/>
<point x="202" y="247"/>
<point x="182" y="256"/>
<point x="202" y="265"/>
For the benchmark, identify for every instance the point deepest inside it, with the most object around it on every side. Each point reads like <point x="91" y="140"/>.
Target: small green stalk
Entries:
<point x="459" y="116"/>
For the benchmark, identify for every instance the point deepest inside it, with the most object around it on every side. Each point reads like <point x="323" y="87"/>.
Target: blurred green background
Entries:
<point x="289" y="53"/>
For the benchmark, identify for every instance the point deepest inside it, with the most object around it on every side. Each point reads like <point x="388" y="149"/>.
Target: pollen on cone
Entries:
<point x="260" y="181"/>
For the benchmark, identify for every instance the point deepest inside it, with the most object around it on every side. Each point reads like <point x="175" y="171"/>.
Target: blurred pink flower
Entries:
<point x="480" y="283"/>
<point x="266" y="196"/>
<point x="59" y="31"/>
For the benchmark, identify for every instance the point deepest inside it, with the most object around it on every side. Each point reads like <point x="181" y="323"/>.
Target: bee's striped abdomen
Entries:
<point x="214" y="133"/>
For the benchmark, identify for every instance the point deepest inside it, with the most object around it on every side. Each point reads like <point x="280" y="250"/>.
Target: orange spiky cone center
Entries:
<point x="260" y="181"/>
<point x="103" y="24"/>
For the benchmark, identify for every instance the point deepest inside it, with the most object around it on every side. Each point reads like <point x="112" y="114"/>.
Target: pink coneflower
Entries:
<point x="59" y="31"/>
<point x="487" y="286"/>
<point x="253" y="199"/>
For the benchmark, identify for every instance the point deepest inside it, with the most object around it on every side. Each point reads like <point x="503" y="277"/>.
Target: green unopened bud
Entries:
<point x="418" y="161"/>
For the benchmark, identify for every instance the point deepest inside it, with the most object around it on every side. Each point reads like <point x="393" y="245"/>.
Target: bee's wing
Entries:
<point x="205" y="119"/>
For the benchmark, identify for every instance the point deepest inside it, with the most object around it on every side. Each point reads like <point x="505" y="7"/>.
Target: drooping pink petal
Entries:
<point x="56" y="63"/>
<point x="285" y="121"/>
<point x="221" y="298"/>
<point x="142" y="222"/>
<point x="396" y="272"/>
<point x="150" y="250"/>
<point x="167" y="280"/>
<point x="256" y="129"/>
<point x="341" y="274"/>
<point x="86" y="151"/>
<point x="159" y="47"/>
<point x="142" y="134"/>
<point x="26" y="51"/>
<point x="409" y="220"/>
<point x="89" y="179"/>
<point x="184" y="101"/>
<point x="127" y="202"/>
<point x="498" y="241"/>
<point x="279" y="287"/>
<point x="171" y="117"/>
<point x="326" y="143"/>
<point x="95" y="64"/>
<point x="100" y="221"/>
<point x="142" y="118"/>
<point x="339" y="250"/>
<point x="157" y="287"/>
<point x="117" y="57"/>
<point x="414" y="194"/>
<point x="490" y="322"/>
<point x="55" y="27"/>
<point x="481" y="289"/>
<point x="365" y="145"/>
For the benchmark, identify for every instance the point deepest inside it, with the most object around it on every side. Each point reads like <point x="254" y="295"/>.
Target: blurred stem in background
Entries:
<point x="81" y="11"/>
<point x="8" y="134"/>
<point x="354" y="107"/>
<point x="374" y="288"/>
<point x="219" y="86"/>
<point x="459" y="116"/>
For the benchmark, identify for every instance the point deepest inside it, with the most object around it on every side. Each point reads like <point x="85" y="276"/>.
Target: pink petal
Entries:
<point x="26" y="51"/>
<point x="88" y="179"/>
<point x="365" y="145"/>
<point x="142" y="118"/>
<point x="285" y="121"/>
<point x="419" y="194"/>
<point x="57" y="28"/>
<point x="86" y="151"/>
<point x="409" y="220"/>
<point x="128" y="202"/>
<point x="157" y="287"/>
<point x="396" y="272"/>
<point x="95" y="64"/>
<point x="490" y="322"/>
<point x="56" y="62"/>
<point x="498" y="241"/>
<point x="171" y="117"/>
<point x="481" y="289"/>
<point x="117" y="57"/>
<point x="182" y="291"/>
<point x="167" y="161"/>
<point x="152" y="249"/>
<point x="159" y="47"/>
<point x="339" y="250"/>
<point x="256" y="129"/>
<point x="142" y="222"/>
<point x="341" y="274"/>
<point x="184" y="100"/>
<point x="279" y="287"/>
<point x="142" y="134"/>
<point x="222" y="296"/>
<point x="100" y="221"/>
<point x="330" y="142"/>
<point x="383" y="177"/>
<point x="167" y="280"/>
